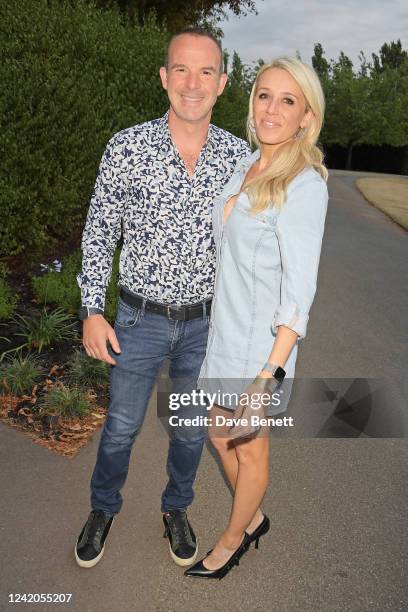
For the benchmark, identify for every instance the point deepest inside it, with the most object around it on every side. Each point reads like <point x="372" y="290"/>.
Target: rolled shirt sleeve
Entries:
<point x="299" y="229"/>
<point x="103" y="225"/>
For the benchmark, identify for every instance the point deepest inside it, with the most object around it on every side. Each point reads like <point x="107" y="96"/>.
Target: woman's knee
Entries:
<point x="253" y="451"/>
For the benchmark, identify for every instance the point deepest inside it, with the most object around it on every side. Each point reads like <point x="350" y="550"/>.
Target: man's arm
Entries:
<point x="103" y="226"/>
<point x="102" y="231"/>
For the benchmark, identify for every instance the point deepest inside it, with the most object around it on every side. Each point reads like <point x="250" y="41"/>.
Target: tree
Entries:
<point x="367" y="106"/>
<point x="319" y="62"/>
<point x="392" y="55"/>
<point x="178" y="14"/>
<point x="232" y="107"/>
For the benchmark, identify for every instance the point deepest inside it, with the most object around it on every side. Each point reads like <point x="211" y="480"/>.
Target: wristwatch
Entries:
<point x="276" y="371"/>
<point x="85" y="311"/>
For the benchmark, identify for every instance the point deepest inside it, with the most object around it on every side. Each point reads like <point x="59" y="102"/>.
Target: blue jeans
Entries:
<point x="146" y="340"/>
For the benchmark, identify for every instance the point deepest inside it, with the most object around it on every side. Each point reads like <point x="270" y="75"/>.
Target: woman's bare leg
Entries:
<point x="225" y="448"/>
<point x="248" y="475"/>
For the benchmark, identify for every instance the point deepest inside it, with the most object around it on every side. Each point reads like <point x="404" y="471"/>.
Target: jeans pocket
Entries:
<point x="127" y="316"/>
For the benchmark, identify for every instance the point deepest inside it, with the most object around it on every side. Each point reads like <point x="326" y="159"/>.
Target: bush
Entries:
<point x="86" y="371"/>
<point x="71" y="76"/>
<point x="7" y="300"/>
<point x="61" y="288"/>
<point x="48" y="328"/>
<point x="19" y="374"/>
<point x="66" y="402"/>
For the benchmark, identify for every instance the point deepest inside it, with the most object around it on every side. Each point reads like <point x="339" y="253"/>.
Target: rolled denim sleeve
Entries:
<point x="299" y="229"/>
<point x="103" y="225"/>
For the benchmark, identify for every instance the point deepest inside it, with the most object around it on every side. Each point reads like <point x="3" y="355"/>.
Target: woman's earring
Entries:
<point x="251" y="126"/>
<point x="299" y="134"/>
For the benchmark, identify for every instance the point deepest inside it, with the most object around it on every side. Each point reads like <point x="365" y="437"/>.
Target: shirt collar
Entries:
<point x="166" y="144"/>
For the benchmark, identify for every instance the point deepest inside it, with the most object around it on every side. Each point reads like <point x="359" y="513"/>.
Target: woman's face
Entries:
<point x="279" y="107"/>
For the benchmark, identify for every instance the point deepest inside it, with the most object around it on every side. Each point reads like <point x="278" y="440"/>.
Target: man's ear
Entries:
<point x="163" y="76"/>
<point x="222" y="84"/>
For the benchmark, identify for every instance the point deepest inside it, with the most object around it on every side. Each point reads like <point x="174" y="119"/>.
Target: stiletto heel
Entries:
<point x="259" y="531"/>
<point x="200" y="571"/>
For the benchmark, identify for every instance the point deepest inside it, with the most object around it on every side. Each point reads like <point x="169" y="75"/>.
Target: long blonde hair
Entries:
<point x="292" y="157"/>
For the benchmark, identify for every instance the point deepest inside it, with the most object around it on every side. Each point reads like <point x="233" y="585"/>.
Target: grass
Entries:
<point x="388" y="194"/>
<point x="48" y="328"/>
<point x="87" y="371"/>
<point x="19" y="374"/>
<point x="66" y="402"/>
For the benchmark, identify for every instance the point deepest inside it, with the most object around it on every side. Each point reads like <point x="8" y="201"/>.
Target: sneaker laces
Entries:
<point x="179" y="527"/>
<point x="96" y="524"/>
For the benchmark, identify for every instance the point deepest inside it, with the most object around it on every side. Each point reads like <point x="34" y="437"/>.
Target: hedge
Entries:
<point x="71" y="76"/>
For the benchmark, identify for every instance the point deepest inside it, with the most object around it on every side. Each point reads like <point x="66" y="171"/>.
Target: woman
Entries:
<point x="268" y="227"/>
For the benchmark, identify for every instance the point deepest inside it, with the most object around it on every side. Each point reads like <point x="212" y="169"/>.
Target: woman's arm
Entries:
<point x="299" y="230"/>
<point x="283" y="345"/>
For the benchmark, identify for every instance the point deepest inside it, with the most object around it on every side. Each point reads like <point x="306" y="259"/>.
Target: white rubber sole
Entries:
<point x="90" y="563"/>
<point x="183" y="562"/>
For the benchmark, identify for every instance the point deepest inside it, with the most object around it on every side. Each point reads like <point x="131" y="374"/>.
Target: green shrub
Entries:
<point x="48" y="328"/>
<point x="71" y="76"/>
<point x="19" y="374"/>
<point x="87" y="371"/>
<point x="8" y="301"/>
<point x="61" y="288"/>
<point x="66" y="402"/>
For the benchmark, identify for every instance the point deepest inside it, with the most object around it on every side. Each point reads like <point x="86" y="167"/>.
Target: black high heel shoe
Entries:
<point x="200" y="571"/>
<point x="259" y="531"/>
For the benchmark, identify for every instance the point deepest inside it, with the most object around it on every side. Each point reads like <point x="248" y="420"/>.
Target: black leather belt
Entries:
<point x="175" y="313"/>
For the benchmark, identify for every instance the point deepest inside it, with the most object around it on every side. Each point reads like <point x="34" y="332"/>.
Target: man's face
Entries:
<point x="193" y="80"/>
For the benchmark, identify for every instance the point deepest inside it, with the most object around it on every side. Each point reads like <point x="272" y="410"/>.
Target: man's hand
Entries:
<point x="96" y="333"/>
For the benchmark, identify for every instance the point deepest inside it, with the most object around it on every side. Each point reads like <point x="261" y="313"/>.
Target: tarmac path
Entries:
<point x="338" y="507"/>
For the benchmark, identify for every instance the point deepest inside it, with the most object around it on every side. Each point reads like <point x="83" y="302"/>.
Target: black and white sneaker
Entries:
<point x="182" y="539"/>
<point x="91" y="542"/>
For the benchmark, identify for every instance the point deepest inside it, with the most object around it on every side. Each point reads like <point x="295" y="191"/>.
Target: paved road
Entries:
<point x="339" y="536"/>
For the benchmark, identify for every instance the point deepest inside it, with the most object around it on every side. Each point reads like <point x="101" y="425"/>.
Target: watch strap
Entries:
<point x="276" y="371"/>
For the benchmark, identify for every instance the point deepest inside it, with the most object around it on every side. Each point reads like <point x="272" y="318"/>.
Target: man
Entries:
<point x="156" y="185"/>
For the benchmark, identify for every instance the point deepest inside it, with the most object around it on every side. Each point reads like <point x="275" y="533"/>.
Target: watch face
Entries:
<point x="280" y="373"/>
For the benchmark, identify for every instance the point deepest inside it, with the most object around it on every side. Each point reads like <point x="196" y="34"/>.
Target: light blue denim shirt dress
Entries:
<point x="266" y="275"/>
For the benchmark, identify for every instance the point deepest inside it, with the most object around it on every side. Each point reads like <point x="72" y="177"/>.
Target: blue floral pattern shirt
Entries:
<point x="144" y="193"/>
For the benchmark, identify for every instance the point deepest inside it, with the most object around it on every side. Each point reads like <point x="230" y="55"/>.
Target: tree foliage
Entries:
<point x="367" y="106"/>
<point x="71" y="76"/>
<point x="178" y="14"/>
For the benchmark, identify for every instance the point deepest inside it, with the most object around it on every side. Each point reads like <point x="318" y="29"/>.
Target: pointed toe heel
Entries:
<point x="200" y="571"/>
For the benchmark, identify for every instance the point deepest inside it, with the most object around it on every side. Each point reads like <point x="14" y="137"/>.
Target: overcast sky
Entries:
<point x="283" y="27"/>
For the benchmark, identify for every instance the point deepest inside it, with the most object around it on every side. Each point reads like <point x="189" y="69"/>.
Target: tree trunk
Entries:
<point x="349" y="156"/>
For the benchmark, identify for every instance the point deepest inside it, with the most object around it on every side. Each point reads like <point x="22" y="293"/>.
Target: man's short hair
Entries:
<point x="195" y="32"/>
